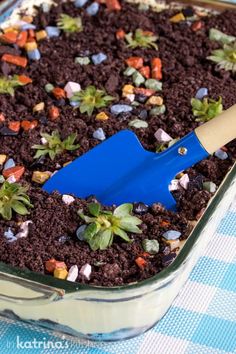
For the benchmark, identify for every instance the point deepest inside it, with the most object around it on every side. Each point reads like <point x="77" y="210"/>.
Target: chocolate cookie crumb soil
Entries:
<point x="143" y="81"/>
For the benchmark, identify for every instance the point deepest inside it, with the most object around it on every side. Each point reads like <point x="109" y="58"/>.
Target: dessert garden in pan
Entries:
<point x="75" y="73"/>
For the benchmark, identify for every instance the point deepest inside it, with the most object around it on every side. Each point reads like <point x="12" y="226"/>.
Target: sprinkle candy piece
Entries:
<point x="98" y="58"/>
<point x="16" y="172"/>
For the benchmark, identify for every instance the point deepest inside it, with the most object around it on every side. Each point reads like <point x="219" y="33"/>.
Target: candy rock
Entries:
<point x="52" y="31"/>
<point x="184" y="181"/>
<point x="99" y="134"/>
<point x="80" y="3"/>
<point x="120" y="108"/>
<point x="172" y="235"/>
<point x="86" y="271"/>
<point x="71" y="88"/>
<point x="92" y="10"/>
<point x="24" y="229"/>
<point x="73" y="273"/>
<point x="67" y="199"/>
<point x="162" y="136"/>
<point x="202" y="92"/>
<point x="98" y="58"/>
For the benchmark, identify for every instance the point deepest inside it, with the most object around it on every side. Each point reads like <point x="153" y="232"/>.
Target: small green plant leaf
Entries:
<point x="142" y="39"/>
<point x="218" y="36"/>
<point x="121" y="233"/>
<point x="19" y="208"/>
<point x="225" y="57"/>
<point x="94" y="209"/>
<point x="150" y="246"/>
<point x="55" y="146"/>
<point x="13" y="197"/>
<point x="70" y="24"/>
<point x="8" y="84"/>
<point x="90" y="231"/>
<point x="123" y="210"/>
<point x="129" y="223"/>
<point x="90" y="99"/>
<point x="104" y="225"/>
<point x="206" y="109"/>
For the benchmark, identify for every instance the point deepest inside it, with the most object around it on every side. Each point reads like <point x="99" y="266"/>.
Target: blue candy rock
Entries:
<point x="172" y="235"/>
<point x="92" y="9"/>
<point x="34" y="54"/>
<point x="80" y="231"/>
<point x="98" y="58"/>
<point x="202" y="92"/>
<point x="99" y="134"/>
<point x="10" y="235"/>
<point x="80" y="3"/>
<point x="28" y="26"/>
<point x="9" y="164"/>
<point x="52" y="31"/>
<point x="120" y="108"/>
<point x="222" y="155"/>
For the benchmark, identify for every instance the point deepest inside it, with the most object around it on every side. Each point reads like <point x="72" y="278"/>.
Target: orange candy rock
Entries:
<point x="59" y="93"/>
<point x="156" y="68"/>
<point x="15" y="59"/>
<point x="144" y="91"/>
<point x="2" y="117"/>
<point x="28" y="125"/>
<point x="52" y="264"/>
<point x="113" y="5"/>
<point x="120" y="34"/>
<point x="22" y="39"/>
<point x="54" y="113"/>
<point x="9" y="37"/>
<point x="141" y="263"/>
<point x="135" y="62"/>
<point x="15" y="172"/>
<point x="15" y="126"/>
<point x="24" y="79"/>
<point x="145" y="71"/>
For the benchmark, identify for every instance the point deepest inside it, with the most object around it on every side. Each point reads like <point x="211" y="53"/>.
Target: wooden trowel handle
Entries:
<point x="218" y="131"/>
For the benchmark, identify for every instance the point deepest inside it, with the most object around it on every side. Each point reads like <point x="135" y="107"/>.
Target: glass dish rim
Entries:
<point x="165" y="274"/>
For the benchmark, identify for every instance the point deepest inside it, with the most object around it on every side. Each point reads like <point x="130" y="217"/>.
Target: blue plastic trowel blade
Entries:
<point x="120" y="170"/>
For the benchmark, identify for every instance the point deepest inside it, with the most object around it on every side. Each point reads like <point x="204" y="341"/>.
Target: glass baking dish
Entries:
<point x="100" y="313"/>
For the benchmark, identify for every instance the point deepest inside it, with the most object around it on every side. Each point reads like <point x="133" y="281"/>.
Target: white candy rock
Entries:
<point x="86" y="271"/>
<point x="24" y="229"/>
<point x="43" y="141"/>
<point x="162" y="136"/>
<point x="174" y="185"/>
<point x="67" y="199"/>
<point x="73" y="273"/>
<point x="71" y="88"/>
<point x="11" y="179"/>
<point x="184" y="181"/>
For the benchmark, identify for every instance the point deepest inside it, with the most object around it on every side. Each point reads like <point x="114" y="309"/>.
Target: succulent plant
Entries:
<point x="218" y="36"/>
<point x="206" y="109"/>
<point x="103" y="225"/>
<point x="54" y="145"/>
<point x="13" y="197"/>
<point x="225" y="57"/>
<point x="7" y="85"/>
<point x="70" y="24"/>
<point x="91" y="98"/>
<point x="140" y="38"/>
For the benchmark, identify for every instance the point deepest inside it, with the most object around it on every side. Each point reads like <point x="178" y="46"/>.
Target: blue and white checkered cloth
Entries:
<point x="202" y="319"/>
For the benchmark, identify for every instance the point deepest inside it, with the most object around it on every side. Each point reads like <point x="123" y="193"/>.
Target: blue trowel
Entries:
<point x="120" y="170"/>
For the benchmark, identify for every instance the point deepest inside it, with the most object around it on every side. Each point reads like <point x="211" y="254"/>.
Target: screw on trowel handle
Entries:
<point x="218" y="131"/>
